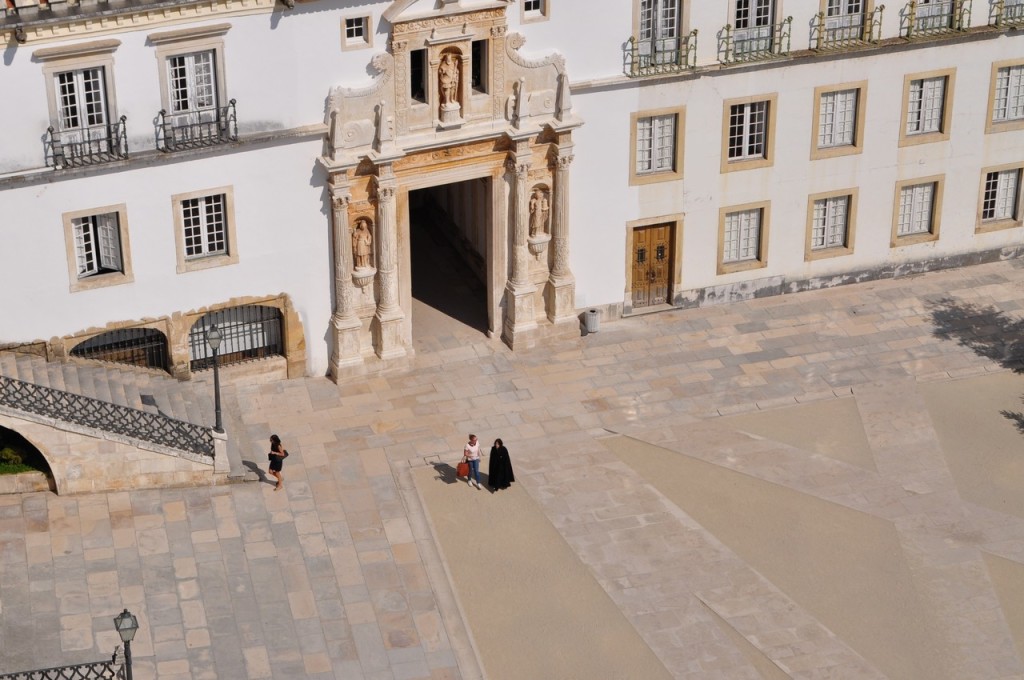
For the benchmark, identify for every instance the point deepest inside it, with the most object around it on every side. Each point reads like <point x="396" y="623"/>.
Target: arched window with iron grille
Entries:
<point x="250" y="332"/>
<point x="133" y="346"/>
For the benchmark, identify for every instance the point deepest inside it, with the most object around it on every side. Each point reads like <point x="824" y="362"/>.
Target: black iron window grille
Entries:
<point x="145" y="347"/>
<point x="105" y="416"/>
<point x="195" y="129"/>
<point x="87" y="145"/>
<point x="249" y="332"/>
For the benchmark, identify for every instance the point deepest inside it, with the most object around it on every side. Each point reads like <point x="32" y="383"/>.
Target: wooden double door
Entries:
<point x="652" y="265"/>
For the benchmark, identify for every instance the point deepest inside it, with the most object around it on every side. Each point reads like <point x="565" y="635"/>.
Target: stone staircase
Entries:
<point x="143" y="389"/>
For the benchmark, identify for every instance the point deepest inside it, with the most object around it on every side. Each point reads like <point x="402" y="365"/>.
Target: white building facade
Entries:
<point x="170" y="165"/>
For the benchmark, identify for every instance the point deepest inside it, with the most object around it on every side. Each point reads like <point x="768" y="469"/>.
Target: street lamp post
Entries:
<point x="214" y="337"/>
<point x="126" y="625"/>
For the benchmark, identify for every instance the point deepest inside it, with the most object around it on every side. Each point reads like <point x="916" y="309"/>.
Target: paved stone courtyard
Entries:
<point x="821" y="485"/>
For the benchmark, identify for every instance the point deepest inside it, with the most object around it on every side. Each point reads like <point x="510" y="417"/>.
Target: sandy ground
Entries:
<point x="844" y="567"/>
<point x="986" y="459"/>
<point x="802" y="426"/>
<point x="535" y="610"/>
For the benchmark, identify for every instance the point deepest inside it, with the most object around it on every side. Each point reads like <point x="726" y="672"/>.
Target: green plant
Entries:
<point x="14" y="468"/>
<point x="9" y="456"/>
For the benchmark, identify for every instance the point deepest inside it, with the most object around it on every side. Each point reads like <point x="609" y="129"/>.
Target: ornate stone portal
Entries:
<point x="453" y="101"/>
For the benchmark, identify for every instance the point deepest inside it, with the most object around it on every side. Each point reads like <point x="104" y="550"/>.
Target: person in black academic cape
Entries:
<point x="499" y="469"/>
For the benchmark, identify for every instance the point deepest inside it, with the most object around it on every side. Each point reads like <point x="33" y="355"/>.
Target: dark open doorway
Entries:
<point x="448" y="227"/>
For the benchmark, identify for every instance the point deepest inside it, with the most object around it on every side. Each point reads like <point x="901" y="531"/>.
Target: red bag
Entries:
<point x="462" y="469"/>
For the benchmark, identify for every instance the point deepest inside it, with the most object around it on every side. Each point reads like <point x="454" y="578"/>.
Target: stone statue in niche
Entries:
<point x="448" y="79"/>
<point x="540" y="208"/>
<point x="362" y="244"/>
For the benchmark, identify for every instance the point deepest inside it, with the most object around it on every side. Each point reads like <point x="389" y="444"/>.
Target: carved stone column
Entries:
<point x="388" y="340"/>
<point x="560" y="295"/>
<point x="520" y="315"/>
<point x="344" y="322"/>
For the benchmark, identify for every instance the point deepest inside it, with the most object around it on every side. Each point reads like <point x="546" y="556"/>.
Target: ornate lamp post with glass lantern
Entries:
<point x="126" y="625"/>
<point x="214" y="338"/>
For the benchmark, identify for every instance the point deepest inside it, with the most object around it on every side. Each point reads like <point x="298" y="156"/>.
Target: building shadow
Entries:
<point x="986" y="331"/>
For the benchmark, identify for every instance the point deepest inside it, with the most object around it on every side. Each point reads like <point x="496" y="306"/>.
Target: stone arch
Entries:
<point x="16" y="438"/>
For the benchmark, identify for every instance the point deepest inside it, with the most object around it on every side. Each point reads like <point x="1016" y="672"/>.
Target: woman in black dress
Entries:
<point x="276" y="456"/>
<point x="499" y="469"/>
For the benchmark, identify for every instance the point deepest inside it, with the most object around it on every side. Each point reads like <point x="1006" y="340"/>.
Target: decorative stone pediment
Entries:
<point x="453" y="75"/>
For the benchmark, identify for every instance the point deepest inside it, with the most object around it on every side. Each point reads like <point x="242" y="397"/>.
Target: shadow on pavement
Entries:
<point x="988" y="332"/>
<point x="259" y="471"/>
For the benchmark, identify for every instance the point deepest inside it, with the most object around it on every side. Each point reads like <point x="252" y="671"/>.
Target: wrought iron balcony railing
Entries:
<point x="660" y="55"/>
<point x="196" y="129"/>
<point x="86" y="146"/>
<point x="754" y="44"/>
<point x="846" y="31"/>
<point x="1007" y="13"/>
<point x="933" y="18"/>
<point x="105" y="416"/>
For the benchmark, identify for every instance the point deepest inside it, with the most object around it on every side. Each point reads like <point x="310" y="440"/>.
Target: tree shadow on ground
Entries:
<point x="986" y="331"/>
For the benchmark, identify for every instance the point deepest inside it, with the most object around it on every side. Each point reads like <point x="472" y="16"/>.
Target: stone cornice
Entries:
<point x="118" y="16"/>
<point x="77" y="50"/>
<point x="194" y="33"/>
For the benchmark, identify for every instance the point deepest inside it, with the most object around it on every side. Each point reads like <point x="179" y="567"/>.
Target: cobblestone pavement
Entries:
<point x="342" y="574"/>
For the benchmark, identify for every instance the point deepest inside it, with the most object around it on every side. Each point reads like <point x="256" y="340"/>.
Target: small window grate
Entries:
<point x="250" y="332"/>
<point x="133" y="346"/>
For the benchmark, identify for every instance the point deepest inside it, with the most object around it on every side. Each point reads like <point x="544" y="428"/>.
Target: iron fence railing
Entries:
<point x="196" y="129"/>
<point x="938" y="16"/>
<point x="249" y="332"/>
<point x="98" y="670"/>
<point x="754" y="44"/>
<point x="1006" y="13"/>
<point x="848" y="30"/>
<point x="101" y="415"/>
<point x="87" y="146"/>
<point x="145" y="347"/>
<point x="660" y="55"/>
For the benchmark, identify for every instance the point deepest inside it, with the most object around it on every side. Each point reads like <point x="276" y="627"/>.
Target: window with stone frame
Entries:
<point x="742" y="236"/>
<point x="830" y="222"/>
<point x="748" y="130"/>
<point x="82" y="111"/>
<point x="927" y="109"/>
<point x="916" y="209"/>
<point x="1008" y="104"/>
<point x="1001" y="195"/>
<point x="356" y="32"/>
<point x="534" y="10"/>
<point x="192" y="85"/>
<point x="837" y="118"/>
<point x="926" y="105"/>
<point x="97" y="244"/>
<point x="204" y="226"/>
<point x="656" y="144"/>
<point x="97" y="247"/>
